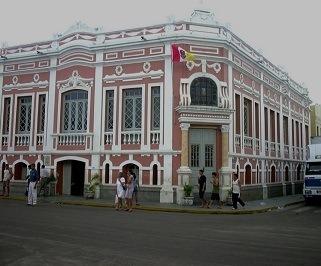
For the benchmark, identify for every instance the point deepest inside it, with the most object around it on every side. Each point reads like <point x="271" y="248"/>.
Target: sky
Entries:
<point x="287" y="32"/>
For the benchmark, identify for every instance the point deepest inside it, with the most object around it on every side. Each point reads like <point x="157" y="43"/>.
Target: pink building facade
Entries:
<point x="92" y="102"/>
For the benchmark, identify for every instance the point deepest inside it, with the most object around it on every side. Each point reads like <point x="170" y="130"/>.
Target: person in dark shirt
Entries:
<point x="33" y="181"/>
<point x="202" y="187"/>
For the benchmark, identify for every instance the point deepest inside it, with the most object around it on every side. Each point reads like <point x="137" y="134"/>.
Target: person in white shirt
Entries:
<point x="44" y="174"/>
<point x="236" y="190"/>
<point x="120" y="191"/>
<point x="7" y="175"/>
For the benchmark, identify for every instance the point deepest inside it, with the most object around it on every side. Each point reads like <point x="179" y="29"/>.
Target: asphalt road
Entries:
<point x="50" y="234"/>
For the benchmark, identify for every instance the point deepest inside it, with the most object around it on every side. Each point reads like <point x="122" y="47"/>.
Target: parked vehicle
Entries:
<point x="312" y="178"/>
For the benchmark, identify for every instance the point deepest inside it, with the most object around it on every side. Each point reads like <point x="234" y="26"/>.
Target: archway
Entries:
<point x="133" y="167"/>
<point x="248" y="174"/>
<point x="70" y="177"/>
<point x="273" y="174"/>
<point x="20" y="171"/>
<point x="298" y="172"/>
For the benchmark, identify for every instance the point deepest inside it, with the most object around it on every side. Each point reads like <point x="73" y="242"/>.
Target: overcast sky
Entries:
<point x="286" y="31"/>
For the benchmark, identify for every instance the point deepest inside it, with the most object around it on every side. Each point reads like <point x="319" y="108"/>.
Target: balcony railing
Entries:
<point x="154" y="137"/>
<point x="109" y="137"/>
<point x="237" y="140"/>
<point x="286" y="149"/>
<point x="39" y="139"/>
<point x="272" y="146"/>
<point x="257" y="144"/>
<point x="248" y="142"/>
<point x="131" y="137"/>
<point x="22" y="139"/>
<point x="72" y="139"/>
<point x="4" y="140"/>
<point x="266" y="146"/>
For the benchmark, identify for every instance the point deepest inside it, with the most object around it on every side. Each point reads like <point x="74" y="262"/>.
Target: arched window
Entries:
<point x="203" y="92"/>
<point x="248" y="174"/>
<point x="107" y="173"/>
<point x="286" y="174"/>
<point x="273" y="174"/>
<point x="155" y="174"/>
<point x="20" y="171"/>
<point x="75" y="105"/>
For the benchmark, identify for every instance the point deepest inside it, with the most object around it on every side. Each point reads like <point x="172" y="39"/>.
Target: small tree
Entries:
<point x="188" y="190"/>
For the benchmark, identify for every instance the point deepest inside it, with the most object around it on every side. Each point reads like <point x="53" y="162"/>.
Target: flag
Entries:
<point x="180" y="55"/>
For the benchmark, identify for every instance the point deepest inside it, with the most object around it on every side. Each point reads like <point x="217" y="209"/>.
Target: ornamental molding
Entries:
<point x="215" y="66"/>
<point x="239" y="83"/>
<point x="80" y="26"/>
<point x="35" y="83"/>
<point x="153" y="74"/>
<point x="184" y="126"/>
<point x="225" y="128"/>
<point x="75" y="80"/>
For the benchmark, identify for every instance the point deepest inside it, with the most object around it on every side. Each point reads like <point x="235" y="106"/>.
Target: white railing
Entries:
<point x="248" y="142"/>
<point x="278" y="149"/>
<point x="297" y="152"/>
<point x="39" y="139"/>
<point x="286" y="149"/>
<point x="266" y="146"/>
<point x="293" y="152"/>
<point x="22" y="139"/>
<point x="131" y="137"/>
<point x="109" y="136"/>
<point x="154" y="137"/>
<point x="272" y="146"/>
<point x="257" y="143"/>
<point x="4" y="140"/>
<point x="72" y="139"/>
<point x="237" y="140"/>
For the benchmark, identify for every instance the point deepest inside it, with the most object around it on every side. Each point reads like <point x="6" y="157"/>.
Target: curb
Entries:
<point x="159" y="209"/>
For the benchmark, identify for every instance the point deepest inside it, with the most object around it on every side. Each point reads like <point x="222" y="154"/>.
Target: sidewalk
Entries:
<point x="257" y="206"/>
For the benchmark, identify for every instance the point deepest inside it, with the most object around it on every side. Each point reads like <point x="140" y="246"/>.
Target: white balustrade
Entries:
<point x="248" y="142"/>
<point x="131" y="137"/>
<point x="22" y="139"/>
<point x="278" y="149"/>
<point x="272" y="146"/>
<point x="72" y="139"/>
<point x="257" y="143"/>
<point x="266" y="146"/>
<point x="154" y="137"/>
<point x="237" y="140"/>
<point x="109" y="136"/>
<point x="5" y="140"/>
<point x="286" y="149"/>
<point x="39" y="138"/>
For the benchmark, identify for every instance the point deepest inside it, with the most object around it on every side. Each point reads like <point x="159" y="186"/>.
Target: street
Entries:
<point x="51" y="234"/>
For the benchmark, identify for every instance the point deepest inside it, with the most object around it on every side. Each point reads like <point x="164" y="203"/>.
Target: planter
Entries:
<point x="89" y="195"/>
<point x="188" y="201"/>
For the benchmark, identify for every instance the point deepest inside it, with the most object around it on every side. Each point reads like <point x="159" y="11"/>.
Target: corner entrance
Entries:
<point x="202" y="153"/>
<point x="71" y="178"/>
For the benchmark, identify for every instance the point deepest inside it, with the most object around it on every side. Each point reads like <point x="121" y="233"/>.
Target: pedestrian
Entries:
<point x="135" y="193"/>
<point x="7" y="175"/>
<point x="202" y="187"/>
<point x="129" y="192"/>
<point x="120" y="191"/>
<point x="44" y="174"/>
<point x="215" y="191"/>
<point x="32" y="190"/>
<point x="236" y="190"/>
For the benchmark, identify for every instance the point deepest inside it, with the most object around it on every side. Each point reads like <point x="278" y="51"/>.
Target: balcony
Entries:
<point x="74" y="140"/>
<point x="131" y="137"/>
<point x="154" y="137"/>
<point x="109" y="137"/>
<point x="248" y="142"/>
<point x="39" y="139"/>
<point x="237" y="140"/>
<point x="5" y="139"/>
<point x="22" y="140"/>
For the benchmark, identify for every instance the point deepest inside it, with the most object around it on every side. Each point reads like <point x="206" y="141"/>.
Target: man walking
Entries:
<point x="202" y="187"/>
<point x="33" y="181"/>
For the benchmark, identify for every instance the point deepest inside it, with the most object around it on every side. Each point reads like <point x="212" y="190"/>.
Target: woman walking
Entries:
<point x="129" y="192"/>
<point x="120" y="191"/>
<point x="236" y="190"/>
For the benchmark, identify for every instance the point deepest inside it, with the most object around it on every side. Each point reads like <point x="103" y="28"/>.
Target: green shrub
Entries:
<point x="188" y="190"/>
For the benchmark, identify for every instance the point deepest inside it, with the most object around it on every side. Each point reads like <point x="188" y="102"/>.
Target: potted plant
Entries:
<point x="188" y="197"/>
<point x="229" y="197"/>
<point x="93" y="190"/>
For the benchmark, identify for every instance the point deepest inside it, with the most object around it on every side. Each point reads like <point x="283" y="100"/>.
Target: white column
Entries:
<point x="241" y="123"/>
<point x="232" y="105"/>
<point x="1" y="100"/>
<point x="295" y="144"/>
<point x="304" y="144"/>
<point x="50" y="106"/>
<point x="269" y="131"/>
<point x="262" y="141"/>
<point x="290" y="134"/>
<point x="98" y="99"/>
<point x="166" y="193"/>
<point x="281" y="129"/>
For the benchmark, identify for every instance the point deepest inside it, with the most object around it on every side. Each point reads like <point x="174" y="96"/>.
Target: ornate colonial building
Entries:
<point x="91" y="101"/>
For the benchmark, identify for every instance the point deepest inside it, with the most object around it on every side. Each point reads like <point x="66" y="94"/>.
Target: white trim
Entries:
<point x="105" y="89"/>
<point x="107" y="161"/>
<point x="14" y="165"/>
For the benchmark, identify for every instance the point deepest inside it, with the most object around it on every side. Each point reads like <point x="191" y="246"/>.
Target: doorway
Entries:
<point x="202" y="153"/>
<point x="70" y="178"/>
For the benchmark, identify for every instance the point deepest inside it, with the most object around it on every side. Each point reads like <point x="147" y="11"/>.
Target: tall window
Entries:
<point x="285" y="130"/>
<point x="246" y="117"/>
<point x="155" y="174"/>
<point x="209" y="152"/>
<point x="132" y="109"/>
<point x="75" y="105"/>
<point x="109" y="111"/>
<point x="248" y="174"/>
<point x="6" y="116"/>
<point x="203" y="92"/>
<point x="24" y="114"/>
<point x="42" y="113"/>
<point x="155" y="108"/>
